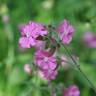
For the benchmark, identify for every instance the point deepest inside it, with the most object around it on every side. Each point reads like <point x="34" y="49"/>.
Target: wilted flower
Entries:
<point x="73" y="90"/>
<point x="65" y="31"/>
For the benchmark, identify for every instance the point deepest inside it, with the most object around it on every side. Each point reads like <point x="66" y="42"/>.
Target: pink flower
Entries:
<point x="65" y="31"/>
<point x="49" y="74"/>
<point x="27" y="68"/>
<point x="90" y="39"/>
<point x="30" y="32"/>
<point x="47" y="64"/>
<point x="73" y="90"/>
<point x="44" y="62"/>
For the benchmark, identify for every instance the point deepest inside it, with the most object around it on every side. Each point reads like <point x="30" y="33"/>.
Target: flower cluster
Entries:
<point x="37" y="35"/>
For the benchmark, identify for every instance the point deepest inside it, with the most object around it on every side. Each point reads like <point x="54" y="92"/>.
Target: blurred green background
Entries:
<point x="81" y="13"/>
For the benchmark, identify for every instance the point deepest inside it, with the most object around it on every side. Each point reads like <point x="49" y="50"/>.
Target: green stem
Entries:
<point x="80" y="70"/>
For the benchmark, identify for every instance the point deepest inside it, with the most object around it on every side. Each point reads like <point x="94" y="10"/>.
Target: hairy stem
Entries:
<point x="80" y="70"/>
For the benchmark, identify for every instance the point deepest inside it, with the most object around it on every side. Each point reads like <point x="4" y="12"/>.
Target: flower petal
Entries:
<point x="24" y="42"/>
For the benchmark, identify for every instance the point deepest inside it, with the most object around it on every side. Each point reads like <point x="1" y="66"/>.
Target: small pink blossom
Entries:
<point x="90" y="39"/>
<point x="30" y="32"/>
<point x="47" y="64"/>
<point x="65" y="31"/>
<point x="27" y="68"/>
<point x="44" y="62"/>
<point x="73" y="90"/>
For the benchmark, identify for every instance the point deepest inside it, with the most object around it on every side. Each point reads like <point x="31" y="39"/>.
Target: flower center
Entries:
<point x="27" y="34"/>
<point x="65" y="32"/>
<point x="45" y="59"/>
